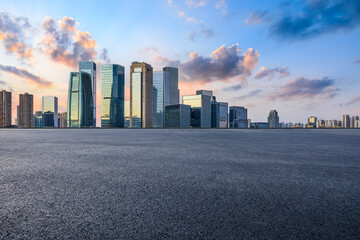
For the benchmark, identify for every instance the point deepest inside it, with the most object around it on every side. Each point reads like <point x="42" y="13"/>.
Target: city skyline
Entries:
<point x="241" y="51"/>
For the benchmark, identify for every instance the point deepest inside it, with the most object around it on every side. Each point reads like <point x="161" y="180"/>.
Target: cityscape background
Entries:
<point x="301" y="59"/>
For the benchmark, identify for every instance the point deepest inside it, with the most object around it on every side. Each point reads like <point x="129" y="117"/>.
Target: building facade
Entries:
<point x="48" y="119"/>
<point x="90" y="68"/>
<point x="161" y="97"/>
<point x="5" y="109"/>
<point x="63" y="120"/>
<point x="50" y="104"/>
<point x="238" y="117"/>
<point x="223" y="115"/>
<point x="200" y="109"/>
<point x="112" y="95"/>
<point x="127" y="114"/>
<point x="353" y="120"/>
<point x="177" y="116"/>
<point x="141" y="95"/>
<point x="273" y="119"/>
<point x="80" y="101"/>
<point x="25" y="111"/>
<point x="173" y="89"/>
<point x="345" y="121"/>
<point x="38" y="120"/>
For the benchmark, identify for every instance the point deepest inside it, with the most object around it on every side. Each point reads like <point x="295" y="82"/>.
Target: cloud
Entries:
<point x="221" y="4"/>
<point x="357" y="60"/>
<point x="196" y="4"/>
<point x="207" y="32"/>
<point x="256" y="17"/>
<point x="317" y="17"/>
<point x="2" y="82"/>
<point x="223" y="64"/>
<point x="23" y="73"/>
<point x="353" y="100"/>
<point x="271" y="72"/>
<point x="301" y="88"/>
<point x="233" y="88"/>
<point x="253" y="93"/>
<point x="13" y="33"/>
<point x="192" y="36"/>
<point x="104" y="56"/>
<point x="65" y="44"/>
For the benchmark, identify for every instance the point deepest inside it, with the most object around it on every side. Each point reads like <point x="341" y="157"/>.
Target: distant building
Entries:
<point x="161" y="97"/>
<point x="320" y="123"/>
<point x="25" y="111"/>
<point x="38" y="120"/>
<point x="177" y="116"/>
<point x="312" y="121"/>
<point x="357" y="124"/>
<point x="215" y="113"/>
<point x="50" y="104"/>
<point x="112" y="96"/>
<point x="353" y="120"/>
<point x="141" y="95"/>
<point x="80" y="101"/>
<point x="5" y="109"/>
<point x="345" y="121"/>
<point x="48" y="119"/>
<point x="63" y="120"/>
<point x="238" y="117"/>
<point x="200" y="108"/>
<point x="127" y="114"/>
<point x="259" y="125"/>
<point x="89" y="68"/>
<point x="173" y="85"/>
<point x="273" y="119"/>
<point x="223" y="115"/>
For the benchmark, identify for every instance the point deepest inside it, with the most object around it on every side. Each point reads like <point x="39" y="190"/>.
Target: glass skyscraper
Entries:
<point x="90" y="68"/>
<point x="80" y="100"/>
<point x="50" y="104"/>
<point x="200" y="109"/>
<point x="173" y="89"/>
<point x="5" y="108"/>
<point x="112" y="95"/>
<point x="161" y="97"/>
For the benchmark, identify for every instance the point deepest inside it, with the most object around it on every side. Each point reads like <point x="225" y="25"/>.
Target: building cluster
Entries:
<point x="154" y="103"/>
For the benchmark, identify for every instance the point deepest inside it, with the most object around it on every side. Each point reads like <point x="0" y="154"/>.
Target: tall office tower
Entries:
<point x="161" y="97"/>
<point x="38" y="120"/>
<point x="312" y="121"/>
<point x="127" y="114"/>
<point x="215" y="112"/>
<point x="357" y="124"/>
<point x="112" y="96"/>
<point x="80" y="101"/>
<point x="5" y="108"/>
<point x="177" y="116"/>
<point x="25" y="114"/>
<point x="90" y="68"/>
<point x="200" y="108"/>
<point x="63" y="120"/>
<point x="273" y="119"/>
<point x="320" y="123"/>
<point x="223" y="115"/>
<point x="50" y="104"/>
<point x="173" y="85"/>
<point x="48" y="119"/>
<point x="238" y="117"/>
<point x="141" y="95"/>
<point x="345" y="121"/>
<point x="353" y="120"/>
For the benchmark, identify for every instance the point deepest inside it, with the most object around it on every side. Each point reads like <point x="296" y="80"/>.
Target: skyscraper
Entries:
<point x="5" y="108"/>
<point x="161" y="97"/>
<point x="25" y="113"/>
<point x="200" y="108"/>
<point x="353" y="120"/>
<point x="173" y="85"/>
<point x="177" y="116"/>
<point x="345" y="121"/>
<point x="112" y="95"/>
<point x="38" y="119"/>
<point x="273" y="119"/>
<point x="90" y="68"/>
<point x="50" y="104"/>
<point x="141" y="95"/>
<point x="215" y="112"/>
<point x="312" y="121"/>
<point x="80" y="102"/>
<point x="238" y="117"/>
<point x="223" y="115"/>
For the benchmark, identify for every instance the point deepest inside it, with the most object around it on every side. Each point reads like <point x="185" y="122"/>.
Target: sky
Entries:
<point x="301" y="58"/>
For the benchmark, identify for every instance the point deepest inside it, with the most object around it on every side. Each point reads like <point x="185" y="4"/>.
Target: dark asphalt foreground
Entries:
<point x="179" y="184"/>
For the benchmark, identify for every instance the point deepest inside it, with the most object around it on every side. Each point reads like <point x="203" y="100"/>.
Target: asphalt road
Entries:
<point x="179" y="184"/>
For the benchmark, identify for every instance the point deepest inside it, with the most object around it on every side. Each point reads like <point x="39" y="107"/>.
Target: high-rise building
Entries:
<point x="238" y="117"/>
<point x="5" y="108"/>
<point x="80" y="102"/>
<point x="127" y="114"/>
<point x="161" y="97"/>
<point x="90" y="68"/>
<point x="200" y="108"/>
<point x="50" y="104"/>
<point x="177" y="116"/>
<point x="345" y="121"/>
<point x="112" y="95"/>
<point x="38" y="120"/>
<point x="48" y="119"/>
<point x="25" y="112"/>
<point x="312" y="121"/>
<point x="353" y="120"/>
<point x="141" y="95"/>
<point x="215" y="113"/>
<point x="357" y="124"/>
<point x="63" y="120"/>
<point x="273" y="119"/>
<point x="223" y="115"/>
<point x="173" y="85"/>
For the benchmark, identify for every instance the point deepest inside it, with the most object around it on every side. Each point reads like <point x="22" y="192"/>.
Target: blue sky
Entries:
<point x="299" y="57"/>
